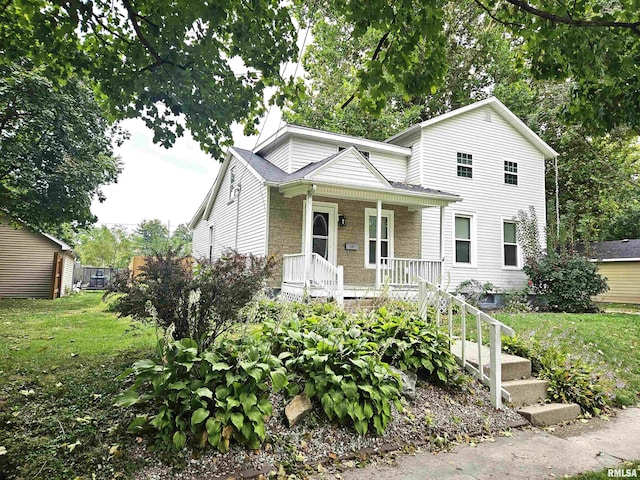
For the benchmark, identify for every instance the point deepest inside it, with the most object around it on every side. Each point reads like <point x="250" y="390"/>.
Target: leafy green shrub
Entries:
<point x="571" y="379"/>
<point x="566" y="282"/>
<point x="336" y="368"/>
<point x="212" y="397"/>
<point x="407" y="342"/>
<point x="201" y="301"/>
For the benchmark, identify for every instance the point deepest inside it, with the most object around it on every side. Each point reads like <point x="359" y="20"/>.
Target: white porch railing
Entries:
<point x="456" y="309"/>
<point x="403" y="271"/>
<point x="322" y="273"/>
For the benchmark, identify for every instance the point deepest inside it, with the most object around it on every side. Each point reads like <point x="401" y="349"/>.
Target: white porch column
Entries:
<point x="439" y="280"/>
<point x="441" y="234"/>
<point x="378" y="243"/>
<point x="308" y="235"/>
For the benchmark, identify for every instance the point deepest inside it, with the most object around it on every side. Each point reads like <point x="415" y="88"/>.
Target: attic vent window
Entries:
<point x="465" y="165"/>
<point x="487" y="116"/>
<point x="364" y="153"/>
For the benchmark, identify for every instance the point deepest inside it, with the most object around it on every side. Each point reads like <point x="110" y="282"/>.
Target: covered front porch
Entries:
<point x="359" y="243"/>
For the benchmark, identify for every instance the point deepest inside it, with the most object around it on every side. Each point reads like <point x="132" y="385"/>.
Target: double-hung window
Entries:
<point x="509" y="244"/>
<point x="510" y="172"/>
<point x="465" y="165"/>
<point x="386" y="235"/>
<point x="463" y="247"/>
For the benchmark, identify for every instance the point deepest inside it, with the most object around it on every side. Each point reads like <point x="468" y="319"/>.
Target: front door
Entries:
<point x="323" y="229"/>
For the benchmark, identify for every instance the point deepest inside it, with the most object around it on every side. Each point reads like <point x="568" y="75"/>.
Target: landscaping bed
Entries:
<point x="435" y="418"/>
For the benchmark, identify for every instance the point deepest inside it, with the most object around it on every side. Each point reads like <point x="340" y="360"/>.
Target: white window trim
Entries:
<point x="332" y="210"/>
<point x="473" y="239"/>
<point x="211" y="240"/>
<point x="458" y="164"/>
<point x="505" y="172"/>
<point x="502" y="244"/>
<point x="368" y="212"/>
<point x="234" y="186"/>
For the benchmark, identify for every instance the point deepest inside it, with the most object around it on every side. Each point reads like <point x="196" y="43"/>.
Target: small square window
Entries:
<point x="464" y="165"/>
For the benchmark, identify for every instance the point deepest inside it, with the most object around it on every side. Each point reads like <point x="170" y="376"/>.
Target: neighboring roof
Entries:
<point x="63" y="246"/>
<point x="614" y="250"/>
<point x="288" y="130"/>
<point x="500" y="108"/>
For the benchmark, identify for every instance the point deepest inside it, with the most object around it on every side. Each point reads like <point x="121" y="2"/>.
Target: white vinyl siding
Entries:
<point x="239" y="225"/>
<point x="67" y="274"/>
<point x="280" y="156"/>
<point x="305" y="151"/>
<point x="348" y="170"/>
<point x="392" y="167"/>
<point x="486" y="196"/>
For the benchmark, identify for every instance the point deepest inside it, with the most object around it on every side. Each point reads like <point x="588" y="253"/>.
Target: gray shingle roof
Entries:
<point x="615" y="249"/>
<point x="271" y="173"/>
<point x="264" y="167"/>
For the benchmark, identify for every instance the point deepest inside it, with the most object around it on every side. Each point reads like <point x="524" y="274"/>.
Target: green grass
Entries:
<point x="604" y="473"/>
<point x="44" y="334"/>
<point x="609" y="340"/>
<point x="58" y="366"/>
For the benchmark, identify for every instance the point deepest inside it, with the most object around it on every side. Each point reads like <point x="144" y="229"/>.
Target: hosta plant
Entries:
<point x="214" y="397"/>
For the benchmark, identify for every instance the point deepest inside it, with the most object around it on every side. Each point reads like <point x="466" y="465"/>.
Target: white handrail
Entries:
<point x="321" y="273"/>
<point x="403" y="271"/>
<point x="431" y="295"/>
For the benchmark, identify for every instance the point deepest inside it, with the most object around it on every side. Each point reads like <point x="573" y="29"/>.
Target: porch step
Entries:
<point x="543" y="415"/>
<point x="513" y="367"/>
<point x="526" y="392"/>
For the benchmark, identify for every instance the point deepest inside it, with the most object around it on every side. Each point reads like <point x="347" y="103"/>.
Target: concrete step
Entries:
<point x="543" y="415"/>
<point x="526" y="392"/>
<point x="513" y="367"/>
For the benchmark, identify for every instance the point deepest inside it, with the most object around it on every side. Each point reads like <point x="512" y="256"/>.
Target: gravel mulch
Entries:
<point x="435" y="416"/>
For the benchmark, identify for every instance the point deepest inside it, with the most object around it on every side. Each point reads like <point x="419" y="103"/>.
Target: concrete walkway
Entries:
<point x="529" y="454"/>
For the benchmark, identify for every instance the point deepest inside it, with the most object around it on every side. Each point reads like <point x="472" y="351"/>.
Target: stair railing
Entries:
<point x="434" y="302"/>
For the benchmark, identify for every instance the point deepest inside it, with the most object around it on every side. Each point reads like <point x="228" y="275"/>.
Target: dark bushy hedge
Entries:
<point x="566" y="282"/>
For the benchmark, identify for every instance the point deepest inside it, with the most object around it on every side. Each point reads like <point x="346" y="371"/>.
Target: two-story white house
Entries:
<point x="347" y="216"/>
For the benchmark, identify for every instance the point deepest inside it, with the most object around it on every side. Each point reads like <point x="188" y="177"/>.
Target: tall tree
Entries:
<point x="151" y="237"/>
<point x="105" y="247"/>
<point x="171" y="63"/>
<point x="181" y="239"/>
<point x="55" y="149"/>
<point x="597" y="173"/>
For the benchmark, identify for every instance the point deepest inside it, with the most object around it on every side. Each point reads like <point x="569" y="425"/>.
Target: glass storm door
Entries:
<point x="320" y="243"/>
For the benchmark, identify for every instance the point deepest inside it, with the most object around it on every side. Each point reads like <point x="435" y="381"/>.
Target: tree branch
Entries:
<point x="522" y="5"/>
<point x="374" y="57"/>
<point x="139" y="33"/>
<point x="494" y="17"/>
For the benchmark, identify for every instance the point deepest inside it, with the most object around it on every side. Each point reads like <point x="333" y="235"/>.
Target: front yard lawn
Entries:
<point x="609" y="340"/>
<point x="58" y="363"/>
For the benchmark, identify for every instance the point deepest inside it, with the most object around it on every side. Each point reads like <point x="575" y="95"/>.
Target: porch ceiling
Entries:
<point x="392" y="196"/>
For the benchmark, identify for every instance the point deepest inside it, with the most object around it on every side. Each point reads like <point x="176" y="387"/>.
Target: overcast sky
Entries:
<point x="164" y="184"/>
